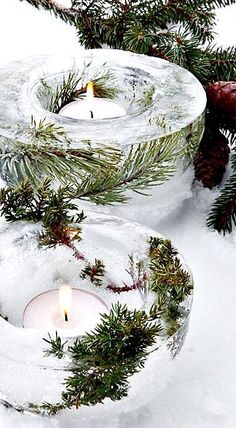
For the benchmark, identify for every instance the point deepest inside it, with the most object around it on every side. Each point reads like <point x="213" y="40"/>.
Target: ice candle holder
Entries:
<point x="22" y="358"/>
<point x="158" y="101"/>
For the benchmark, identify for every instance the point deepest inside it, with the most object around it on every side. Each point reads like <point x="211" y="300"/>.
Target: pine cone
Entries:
<point x="222" y="98"/>
<point x="211" y="158"/>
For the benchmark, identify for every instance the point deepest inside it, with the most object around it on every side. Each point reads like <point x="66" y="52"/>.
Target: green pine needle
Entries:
<point x="223" y="213"/>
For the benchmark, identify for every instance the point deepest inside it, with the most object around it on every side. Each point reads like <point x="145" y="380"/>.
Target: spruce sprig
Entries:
<point x="54" y="208"/>
<point x="95" y="272"/>
<point x="223" y="213"/>
<point x="168" y="278"/>
<point x="23" y="203"/>
<point x="103" y="361"/>
<point x="145" y="166"/>
<point x="57" y="347"/>
<point x="147" y="27"/>
<point x="171" y="283"/>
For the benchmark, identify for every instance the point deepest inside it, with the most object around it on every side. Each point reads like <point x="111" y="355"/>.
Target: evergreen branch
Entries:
<point x="212" y="3"/>
<point x="64" y="92"/>
<point x="104" y="360"/>
<point x="223" y="213"/>
<point x="197" y="19"/>
<point x="146" y="27"/>
<point x="56" y="346"/>
<point x="104" y="85"/>
<point x="168" y="278"/>
<point x="147" y="97"/>
<point x="68" y="15"/>
<point x="45" y="409"/>
<point x="146" y="165"/>
<point x="171" y="283"/>
<point x="222" y="63"/>
<point x="22" y="202"/>
<point x="139" y="276"/>
<point x="179" y="48"/>
<point x="51" y="207"/>
<point x="94" y="272"/>
<point x="46" y="132"/>
<point x="37" y="159"/>
<point x="73" y="86"/>
<point x="107" y="22"/>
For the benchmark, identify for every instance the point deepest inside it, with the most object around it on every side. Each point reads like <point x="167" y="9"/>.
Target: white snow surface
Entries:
<point x="201" y="392"/>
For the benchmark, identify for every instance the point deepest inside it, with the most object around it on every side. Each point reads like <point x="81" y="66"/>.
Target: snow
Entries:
<point x="201" y="391"/>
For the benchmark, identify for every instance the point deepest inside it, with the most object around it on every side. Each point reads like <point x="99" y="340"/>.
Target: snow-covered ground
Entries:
<point x="201" y="392"/>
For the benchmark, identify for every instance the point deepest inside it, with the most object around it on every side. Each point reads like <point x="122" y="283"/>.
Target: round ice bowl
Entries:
<point x="160" y="98"/>
<point x="22" y="362"/>
<point x="163" y="101"/>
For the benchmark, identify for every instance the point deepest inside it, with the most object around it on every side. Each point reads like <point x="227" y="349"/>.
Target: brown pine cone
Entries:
<point x="222" y="97"/>
<point x="212" y="157"/>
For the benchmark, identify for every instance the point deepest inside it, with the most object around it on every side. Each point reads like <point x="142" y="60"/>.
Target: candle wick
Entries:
<point x="91" y="114"/>
<point x="66" y="316"/>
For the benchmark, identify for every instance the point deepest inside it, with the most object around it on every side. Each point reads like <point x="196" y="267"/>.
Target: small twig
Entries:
<point x="77" y="254"/>
<point x="138" y="285"/>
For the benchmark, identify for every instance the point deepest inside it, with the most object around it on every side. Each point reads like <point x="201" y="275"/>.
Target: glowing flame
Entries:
<point x="65" y="294"/>
<point x="89" y="93"/>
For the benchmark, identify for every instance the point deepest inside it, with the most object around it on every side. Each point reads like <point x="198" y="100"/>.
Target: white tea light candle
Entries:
<point x="92" y="107"/>
<point x="70" y="311"/>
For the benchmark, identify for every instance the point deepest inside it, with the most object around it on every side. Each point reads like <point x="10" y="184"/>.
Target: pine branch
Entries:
<point x="222" y="64"/>
<point x="46" y="132"/>
<point x="64" y="92"/>
<point x="179" y="48"/>
<point x="74" y="84"/>
<point x="223" y="213"/>
<point x="146" y="27"/>
<point x="68" y="15"/>
<point x="194" y="16"/>
<point x="48" y="153"/>
<point x="146" y="165"/>
<point x="104" y="85"/>
<point x="45" y="409"/>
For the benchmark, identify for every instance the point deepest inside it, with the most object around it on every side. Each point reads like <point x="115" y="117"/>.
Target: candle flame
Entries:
<point x="65" y="294"/>
<point x="89" y="93"/>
